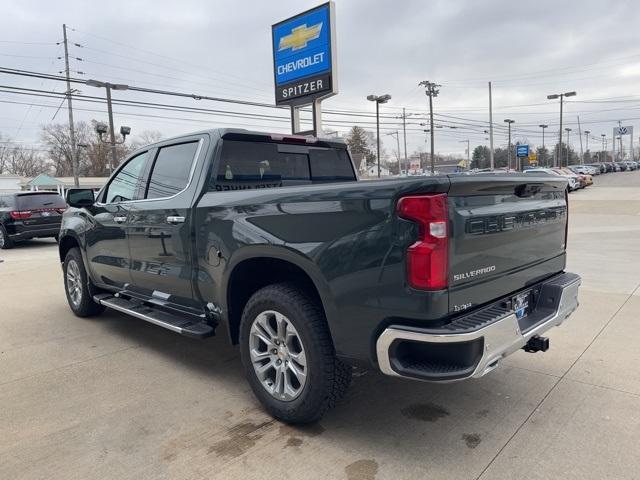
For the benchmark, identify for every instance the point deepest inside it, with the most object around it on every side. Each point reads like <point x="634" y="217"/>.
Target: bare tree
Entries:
<point x="58" y="141"/>
<point x="94" y="153"/>
<point x="25" y="162"/>
<point x="146" y="137"/>
<point x="4" y="152"/>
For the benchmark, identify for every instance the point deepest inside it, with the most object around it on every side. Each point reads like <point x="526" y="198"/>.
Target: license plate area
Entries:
<point x="522" y="303"/>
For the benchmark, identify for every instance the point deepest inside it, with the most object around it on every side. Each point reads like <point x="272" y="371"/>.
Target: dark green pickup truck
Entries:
<point x="313" y="272"/>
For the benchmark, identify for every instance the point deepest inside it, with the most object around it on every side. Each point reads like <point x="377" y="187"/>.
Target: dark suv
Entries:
<point x="26" y="215"/>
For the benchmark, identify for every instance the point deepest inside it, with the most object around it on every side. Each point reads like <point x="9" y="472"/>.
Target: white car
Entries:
<point x="573" y="185"/>
<point x="584" y="169"/>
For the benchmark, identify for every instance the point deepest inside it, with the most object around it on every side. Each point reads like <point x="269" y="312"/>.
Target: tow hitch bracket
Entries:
<point x="537" y="344"/>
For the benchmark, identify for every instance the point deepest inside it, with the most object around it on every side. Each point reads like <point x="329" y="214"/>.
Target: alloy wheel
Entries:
<point x="277" y="355"/>
<point x="74" y="283"/>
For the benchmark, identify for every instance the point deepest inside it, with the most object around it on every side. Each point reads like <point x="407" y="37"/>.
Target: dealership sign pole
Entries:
<point x="522" y="151"/>
<point x="304" y="63"/>
<point x="619" y="132"/>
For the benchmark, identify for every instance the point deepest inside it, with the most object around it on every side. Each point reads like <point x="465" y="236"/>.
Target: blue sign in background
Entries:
<point x="312" y="58"/>
<point x="522" y="150"/>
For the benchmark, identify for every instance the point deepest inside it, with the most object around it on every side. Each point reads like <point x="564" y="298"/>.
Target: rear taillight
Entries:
<point x="20" y="214"/>
<point x="60" y="210"/>
<point x="428" y="258"/>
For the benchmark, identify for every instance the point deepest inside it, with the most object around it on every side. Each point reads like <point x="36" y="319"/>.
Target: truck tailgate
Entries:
<point x="507" y="232"/>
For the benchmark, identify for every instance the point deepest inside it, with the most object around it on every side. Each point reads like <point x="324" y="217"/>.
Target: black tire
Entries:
<point x="85" y="306"/>
<point x="5" y="242"/>
<point x="327" y="378"/>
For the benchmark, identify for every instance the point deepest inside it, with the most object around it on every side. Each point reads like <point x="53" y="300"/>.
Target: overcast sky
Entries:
<point x="222" y="48"/>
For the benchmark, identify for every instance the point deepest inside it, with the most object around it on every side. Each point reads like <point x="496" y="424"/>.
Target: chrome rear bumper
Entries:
<point x="436" y="355"/>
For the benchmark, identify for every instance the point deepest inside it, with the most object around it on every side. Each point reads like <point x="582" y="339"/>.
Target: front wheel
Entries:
<point x="76" y="286"/>
<point x="288" y="355"/>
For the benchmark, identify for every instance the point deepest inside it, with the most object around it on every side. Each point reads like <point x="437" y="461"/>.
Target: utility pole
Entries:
<point x="468" y="157"/>
<point x="491" y="129"/>
<point x="404" y="131"/>
<point x="72" y="131"/>
<point x="509" y="121"/>
<point x="603" y="135"/>
<point x="586" y="143"/>
<point x="431" y="90"/>
<point x="580" y="137"/>
<point x="397" y="135"/>
<point x="398" y="141"/>
<point x="544" y="151"/>
<point x="568" y="130"/>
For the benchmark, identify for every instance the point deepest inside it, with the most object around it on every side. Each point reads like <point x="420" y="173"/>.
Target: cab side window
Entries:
<point x="124" y="186"/>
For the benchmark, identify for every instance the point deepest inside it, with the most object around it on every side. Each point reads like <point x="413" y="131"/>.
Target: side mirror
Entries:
<point x="80" y="197"/>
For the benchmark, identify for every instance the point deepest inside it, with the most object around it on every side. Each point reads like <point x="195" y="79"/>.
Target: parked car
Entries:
<point x="584" y="170"/>
<point x="581" y="181"/>
<point x="572" y="182"/>
<point x="614" y="167"/>
<point x="312" y="271"/>
<point x="622" y="166"/>
<point x="630" y="165"/>
<point x="599" y="167"/>
<point x="584" y="179"/>
<point x="27" y="215"/>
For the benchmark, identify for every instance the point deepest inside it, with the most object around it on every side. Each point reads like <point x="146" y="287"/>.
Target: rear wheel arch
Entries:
<point x="253" y="273"/>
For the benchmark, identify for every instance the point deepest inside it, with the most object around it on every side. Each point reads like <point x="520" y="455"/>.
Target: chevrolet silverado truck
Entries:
<point x="312" y="271"/>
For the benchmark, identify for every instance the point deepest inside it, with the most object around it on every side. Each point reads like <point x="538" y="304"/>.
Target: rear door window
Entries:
<point x="249" y="165"/>
<point x="40" y="201"/>
<point x="171" y="170"/>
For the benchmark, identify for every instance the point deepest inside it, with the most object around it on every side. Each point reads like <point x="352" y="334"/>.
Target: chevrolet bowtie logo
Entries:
<point x="299" y="37"/>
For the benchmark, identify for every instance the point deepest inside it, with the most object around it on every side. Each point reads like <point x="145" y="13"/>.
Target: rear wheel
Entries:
<point x="288" y="355"/>
<point x="5" y="241"/>
<point x="76" y="286"/>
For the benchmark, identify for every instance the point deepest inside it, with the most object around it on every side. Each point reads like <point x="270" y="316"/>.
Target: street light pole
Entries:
<point x="544" y="152"/>
<point x="509" y="121"/>
<point x="378" y="99"/>
<point x="112" y="136"/>
<point x="567" y="130"/>
<point x="558" y="162"/>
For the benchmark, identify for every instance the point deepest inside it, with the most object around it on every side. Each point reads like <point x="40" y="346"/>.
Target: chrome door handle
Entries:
<point x="175" y="220"/>
<point x="119" y="219"/>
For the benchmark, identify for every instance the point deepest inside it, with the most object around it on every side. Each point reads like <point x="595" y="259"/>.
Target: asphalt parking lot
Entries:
<point x="116" y="398"/>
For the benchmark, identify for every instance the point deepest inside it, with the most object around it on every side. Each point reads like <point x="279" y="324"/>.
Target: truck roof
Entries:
<point x="239" y="133"/>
